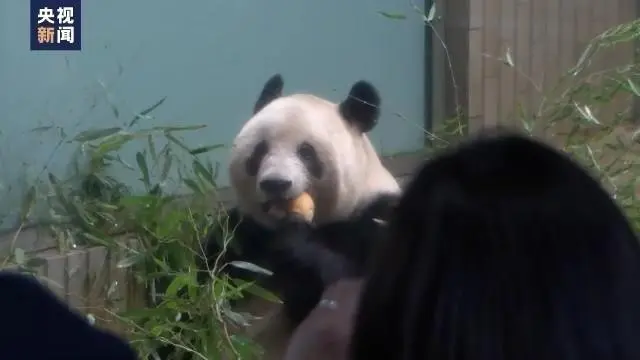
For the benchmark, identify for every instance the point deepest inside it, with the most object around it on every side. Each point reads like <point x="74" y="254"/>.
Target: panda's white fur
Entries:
<point x="353" y="170"/>
<point x="352" y="175"/>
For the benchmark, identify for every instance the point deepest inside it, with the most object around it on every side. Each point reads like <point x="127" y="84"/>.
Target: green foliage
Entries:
<point x="158" y="233"/>
<point x="591" y="113"/>
<point x="167" y="230"/>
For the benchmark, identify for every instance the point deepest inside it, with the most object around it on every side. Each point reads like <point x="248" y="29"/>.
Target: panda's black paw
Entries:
<point x="292" y="229"/>
<point x="293" y="222"/>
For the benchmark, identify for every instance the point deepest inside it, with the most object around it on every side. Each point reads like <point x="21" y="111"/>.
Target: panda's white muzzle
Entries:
<point x="276" y="191"/>
<point x="281" y="176"/>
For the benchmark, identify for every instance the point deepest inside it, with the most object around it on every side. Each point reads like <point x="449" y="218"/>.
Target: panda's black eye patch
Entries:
<point x="306" y="151"/>
<point x="308" y="155"/>
<point x="253" y="162"/>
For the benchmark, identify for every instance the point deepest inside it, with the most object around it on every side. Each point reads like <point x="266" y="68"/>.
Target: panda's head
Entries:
<point x="300" y="143"/>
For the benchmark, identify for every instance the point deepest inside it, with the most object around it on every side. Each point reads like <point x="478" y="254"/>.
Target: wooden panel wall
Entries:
<point x="544" y="39"/>
<point x="90" y="282"/>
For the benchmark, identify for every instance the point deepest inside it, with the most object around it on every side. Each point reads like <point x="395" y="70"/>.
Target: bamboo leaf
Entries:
<point x="393" y="16"/>
<point x="90" y="135"/>
<point x="146" y="111"/>
<point x="144" y="169"/>
<point x="27" y="203"/>
<point x="204" y="149"/>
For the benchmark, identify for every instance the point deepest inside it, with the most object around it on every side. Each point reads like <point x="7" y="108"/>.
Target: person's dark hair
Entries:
<point x="503" y="249"/>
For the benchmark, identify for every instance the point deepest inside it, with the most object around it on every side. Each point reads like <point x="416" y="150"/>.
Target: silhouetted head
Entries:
<point x="503" y="249"/>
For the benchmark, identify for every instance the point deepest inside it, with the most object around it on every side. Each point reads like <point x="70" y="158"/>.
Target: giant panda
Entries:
<point x="294" y="144"/>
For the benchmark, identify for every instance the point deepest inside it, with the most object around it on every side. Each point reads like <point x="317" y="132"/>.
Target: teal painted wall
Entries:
<point x="210" y="59"/>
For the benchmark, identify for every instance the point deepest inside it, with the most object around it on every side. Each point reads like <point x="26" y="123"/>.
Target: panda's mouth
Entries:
<point x="275" y="204"/>
<point x="277" y="207"/>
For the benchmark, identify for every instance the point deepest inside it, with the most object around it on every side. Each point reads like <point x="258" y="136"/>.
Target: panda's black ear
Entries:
<point x="361" y="107"/>
<point x="272" y="90"/>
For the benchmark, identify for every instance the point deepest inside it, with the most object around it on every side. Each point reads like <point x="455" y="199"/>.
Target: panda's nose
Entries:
<point x="275" y="187"/>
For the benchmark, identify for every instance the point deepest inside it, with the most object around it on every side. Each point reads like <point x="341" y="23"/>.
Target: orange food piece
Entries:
<point x="303" y="205"/>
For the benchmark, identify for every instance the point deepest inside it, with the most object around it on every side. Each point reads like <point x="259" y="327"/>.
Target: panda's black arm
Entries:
<point x="307" y="259"/>
<point x="298" y="246"/>
<point x="357" y="238"/>
<point x="347" y="243"/>
<point x="303" y="267"/>
<point x="332" y="251"/>
<point x="381" y="207"/>
<point x="248" y="242"/>
<point x="335" y="250"/>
